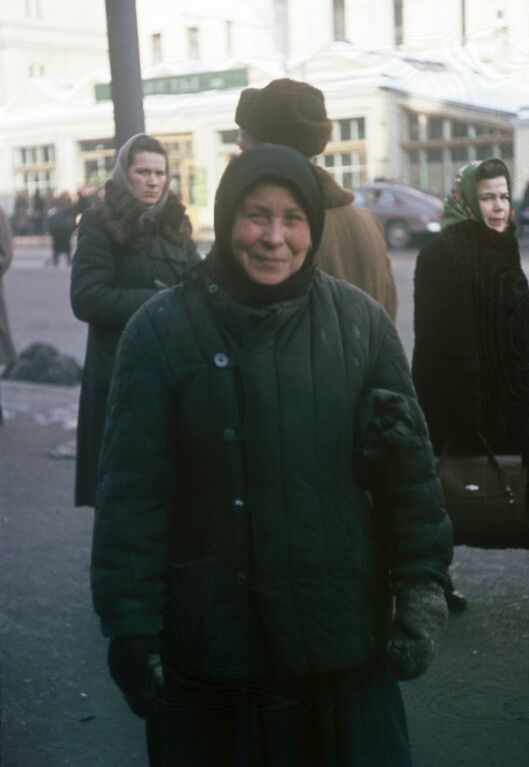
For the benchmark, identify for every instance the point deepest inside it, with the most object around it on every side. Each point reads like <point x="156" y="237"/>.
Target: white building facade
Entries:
<point x="408" y="100"/>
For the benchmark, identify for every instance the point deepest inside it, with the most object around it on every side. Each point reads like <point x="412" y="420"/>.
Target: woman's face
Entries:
<point x="147" y="174"/>
<point x="494" y="202"/>
<point x="270" y="238"/>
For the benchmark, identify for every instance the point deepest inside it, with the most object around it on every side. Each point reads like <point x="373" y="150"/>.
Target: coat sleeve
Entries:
<point x="135" y="490"/>
<point x="95" y="297"/>
<point x="408" y="500"/>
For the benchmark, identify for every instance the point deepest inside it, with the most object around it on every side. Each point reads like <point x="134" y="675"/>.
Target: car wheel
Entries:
<point x="398" y="234"/>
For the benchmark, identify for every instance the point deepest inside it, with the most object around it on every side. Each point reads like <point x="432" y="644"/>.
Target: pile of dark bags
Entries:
<point x="43" y="363"/>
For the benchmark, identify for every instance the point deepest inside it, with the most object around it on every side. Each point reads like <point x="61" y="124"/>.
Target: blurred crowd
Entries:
<point x="32" y="214"/>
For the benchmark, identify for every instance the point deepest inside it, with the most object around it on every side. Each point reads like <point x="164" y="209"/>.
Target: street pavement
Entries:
<point x="58" y="705"/>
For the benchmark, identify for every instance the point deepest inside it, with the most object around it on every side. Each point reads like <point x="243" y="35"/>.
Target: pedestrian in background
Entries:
<point x="7" y="349"/>
<point x="61" y="225"/>
<point x="353" y="248"/>
<point x="471" y="355"/>
<point x="239" y="564"/>
<point x="38" y="206"/>
<point x="130" y="244"/>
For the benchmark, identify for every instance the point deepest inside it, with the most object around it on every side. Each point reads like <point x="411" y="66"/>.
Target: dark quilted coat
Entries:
<point x="118" y="258"/>
<point x="242" y="521"/>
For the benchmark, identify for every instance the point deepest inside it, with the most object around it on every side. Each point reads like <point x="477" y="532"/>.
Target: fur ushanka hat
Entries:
<point x="286" y="112"/>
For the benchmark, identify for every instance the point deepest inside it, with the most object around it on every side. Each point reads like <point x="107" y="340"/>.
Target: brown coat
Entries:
<point x="353" y="247"/>
<point x="7" y="349"/>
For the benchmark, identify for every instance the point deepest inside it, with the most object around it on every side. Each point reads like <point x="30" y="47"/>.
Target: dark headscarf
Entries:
<point x="121" y="179"/>
<point x="462" y="203"/>
<point x="261" y="165"/>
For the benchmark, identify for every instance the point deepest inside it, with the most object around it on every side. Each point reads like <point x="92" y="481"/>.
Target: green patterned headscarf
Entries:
<point x="463" y="201"/>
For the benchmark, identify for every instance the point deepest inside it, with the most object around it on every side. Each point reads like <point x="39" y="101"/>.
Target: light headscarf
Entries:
<point x="121" y="179"/>
<point x="462" y="204"/>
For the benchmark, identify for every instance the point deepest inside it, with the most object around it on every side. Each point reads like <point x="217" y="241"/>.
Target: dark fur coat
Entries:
<point x="124" y="256"/>
<point x="471" y="356"/>
<point x="128" y="220"/>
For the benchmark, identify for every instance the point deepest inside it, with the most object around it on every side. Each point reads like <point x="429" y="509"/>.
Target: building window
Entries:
<point x="398" y="16"/>
<point x="345" y="154"/>
<point x="437" y="147"/>
<point x="35" y="168"/>
<point x="338" y="19"/>
<point x="156" y="48"/>
<point x="228" y="30"/>
<point x="97" y="160"/>
<point x="193" y="49"/>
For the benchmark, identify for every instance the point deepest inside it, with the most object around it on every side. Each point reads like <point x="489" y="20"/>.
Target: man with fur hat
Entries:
<point x="293" y="113"/>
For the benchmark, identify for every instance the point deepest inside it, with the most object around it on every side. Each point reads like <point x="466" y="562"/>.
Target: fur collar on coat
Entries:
<point x="126" y="218"/>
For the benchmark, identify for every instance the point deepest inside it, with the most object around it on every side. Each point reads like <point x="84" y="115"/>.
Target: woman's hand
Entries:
<point x="420" y="616"/>
<point x="135" y="666"/>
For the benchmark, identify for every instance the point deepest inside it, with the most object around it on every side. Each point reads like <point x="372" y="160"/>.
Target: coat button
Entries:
<point x="212" y="288"/>
<point x="230" y="434"/>
<point x="241" y="578"/>
<point x="237" y="504"/>
<point x="221" y="360"/>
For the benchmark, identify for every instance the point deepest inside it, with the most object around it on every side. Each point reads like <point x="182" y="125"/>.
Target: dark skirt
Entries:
<point x="344" y="719"/>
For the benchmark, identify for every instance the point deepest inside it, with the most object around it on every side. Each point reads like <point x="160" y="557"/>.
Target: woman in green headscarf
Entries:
<point x="471" y="355"/>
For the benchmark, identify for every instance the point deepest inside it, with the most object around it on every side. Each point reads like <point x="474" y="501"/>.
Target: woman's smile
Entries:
<point x="271" y="234"/>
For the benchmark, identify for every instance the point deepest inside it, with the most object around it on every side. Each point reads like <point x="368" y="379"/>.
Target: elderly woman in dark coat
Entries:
<point x="266" y="485"/>
<point x="131" y="244"/>
<point x="471" y="356"/>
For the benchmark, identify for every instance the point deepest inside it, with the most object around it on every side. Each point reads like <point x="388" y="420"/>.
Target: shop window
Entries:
<point x="434" y="160"/>
<point x="414" y="163"/>
<point x="413" y="126"/>
<point x="97" y="158"/>
<point x="484" y="151"/>
<point x="459" y="129"/>
<point x="435" y="154"/>
<point x="435" y="128"/>
<point x="35" y="168"/>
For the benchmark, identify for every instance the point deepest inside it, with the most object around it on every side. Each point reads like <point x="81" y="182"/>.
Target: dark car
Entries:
<point x="403" y="212"/>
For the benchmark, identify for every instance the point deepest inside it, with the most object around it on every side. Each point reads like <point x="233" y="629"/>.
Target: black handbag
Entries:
<point x="486" y="499"/>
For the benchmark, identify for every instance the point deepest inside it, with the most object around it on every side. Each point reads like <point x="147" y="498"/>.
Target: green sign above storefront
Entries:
<point x="178" y="84"/>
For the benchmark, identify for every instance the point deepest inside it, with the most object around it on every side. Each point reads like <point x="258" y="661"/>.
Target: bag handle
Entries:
<point x="493" y="462"/>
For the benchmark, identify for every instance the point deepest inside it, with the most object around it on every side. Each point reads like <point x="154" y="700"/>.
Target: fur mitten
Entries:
<point x="420" y="616"/>
<point x="135" y="666"/>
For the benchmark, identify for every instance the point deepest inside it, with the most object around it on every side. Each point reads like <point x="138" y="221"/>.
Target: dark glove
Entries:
<point x="420" y="616"/>
<point x="135" y="666"/>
